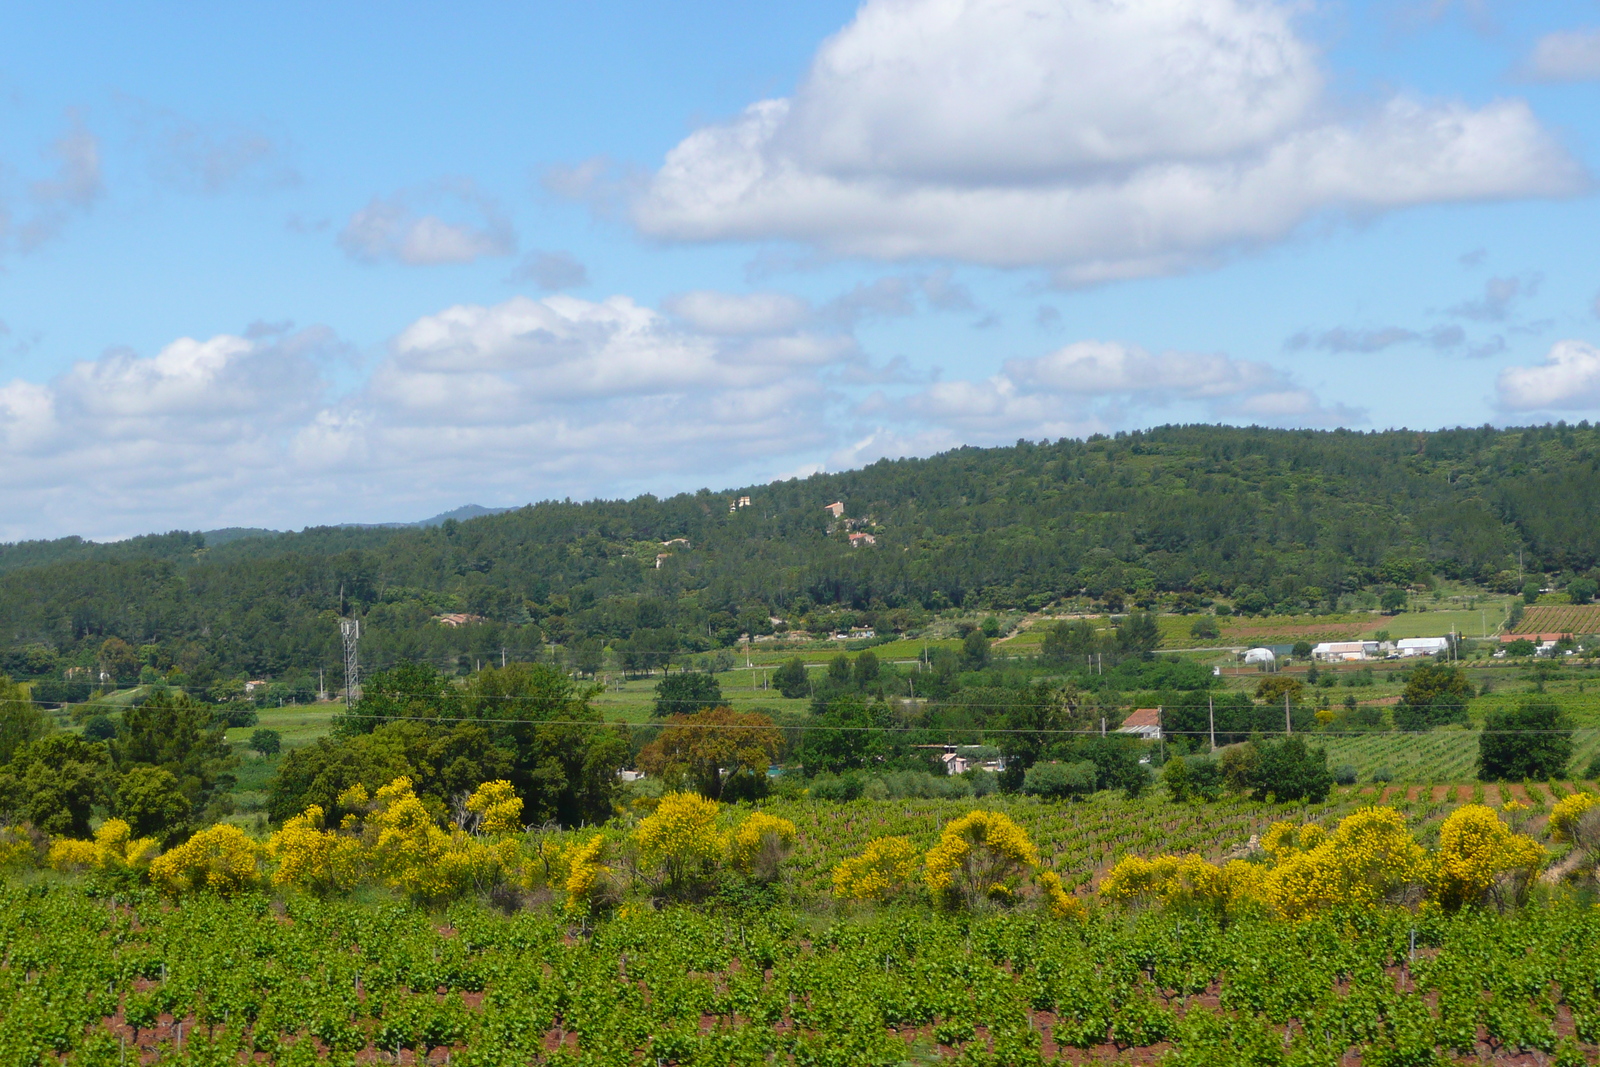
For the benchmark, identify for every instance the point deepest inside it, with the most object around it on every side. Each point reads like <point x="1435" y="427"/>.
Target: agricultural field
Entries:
<point x="99" y="970"/>
<point x="1559" y="619"/>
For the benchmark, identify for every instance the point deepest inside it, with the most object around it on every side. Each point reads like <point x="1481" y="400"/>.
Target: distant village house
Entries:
<point x="1144" y="723"/>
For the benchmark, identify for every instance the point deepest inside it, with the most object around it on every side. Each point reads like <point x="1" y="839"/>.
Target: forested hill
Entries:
<point x="1265" y="517"/>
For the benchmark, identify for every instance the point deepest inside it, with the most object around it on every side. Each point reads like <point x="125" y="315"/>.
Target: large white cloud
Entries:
<point x="1099" y="138"/>
<point x="1568" y="378"/>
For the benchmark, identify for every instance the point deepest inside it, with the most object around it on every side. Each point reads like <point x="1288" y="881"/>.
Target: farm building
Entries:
<point x="1144" y="723"/>
<point x="1260" y="655"/>
<point x="1409" y="647"/>
<point x="1344" y="651"/>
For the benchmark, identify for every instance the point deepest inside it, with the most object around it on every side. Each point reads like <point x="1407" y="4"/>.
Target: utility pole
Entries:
<point x="350" y="630"/>
<point x="1288" y="723"/>
<point x="322" y="687"/>
<point x="502" y="657"/>
<point x="1211" y="712"/>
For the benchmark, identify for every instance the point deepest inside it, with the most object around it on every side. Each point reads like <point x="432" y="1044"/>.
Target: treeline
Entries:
<point x="1173" y="518"/>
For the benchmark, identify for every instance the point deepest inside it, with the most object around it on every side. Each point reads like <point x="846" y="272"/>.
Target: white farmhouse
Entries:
<point x="1409" y="647"/>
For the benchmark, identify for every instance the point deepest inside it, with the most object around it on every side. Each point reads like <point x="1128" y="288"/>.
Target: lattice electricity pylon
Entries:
<point x="350" y="630"/>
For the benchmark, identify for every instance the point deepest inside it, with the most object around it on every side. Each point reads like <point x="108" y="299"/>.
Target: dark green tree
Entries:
<point x="685" y="693"/>
<point x="839" y="674"/>
<point x="1582" y="590"/>
<point x="176" y="733"/>
<point x="21" y="721"/>
<point x="55" y="782"/>
<point x="1068" y="643"/>
<point x="266" y="742"/>
<point x="151" y="801"/>
<point x="1393" y="601"/>
<point x="1289" y="770"/>
<point x="1058" y="781"/>
<point x="1138" y="635"/>
<point x="867" y="669"/>
<point x="1434" y="694"/>
<point x="846" y="736"/>
<point x="792" y="680"/>
<point x="974" y="651"/>
<point x="1531" y="740"/>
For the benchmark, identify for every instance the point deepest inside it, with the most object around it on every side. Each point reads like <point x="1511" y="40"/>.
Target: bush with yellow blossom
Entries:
<point x="314" y="859"/>
<point x="219" y="858"/>
<point x="590" y="877"/>
<point x="759" y="845"/>
<point x="1184" y="883"/>
<point x="16" y="850"/>
<point x="1564" y="817"/>
<point x="1369" y="858"/>
<point x="883" y="870"/>
<point x="982" y="855"/>
<point x="495" y="809"/>
<point x="114" y="848"/>
<point x="414" y="855"/>
<point x="1480" y="858"/>
<point x="679" y="842"/>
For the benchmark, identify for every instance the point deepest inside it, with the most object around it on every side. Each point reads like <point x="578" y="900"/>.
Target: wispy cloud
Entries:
<point x="397" y="228"/>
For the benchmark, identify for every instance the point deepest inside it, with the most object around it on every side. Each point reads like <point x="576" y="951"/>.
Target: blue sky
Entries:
<point x="283" y="265"/>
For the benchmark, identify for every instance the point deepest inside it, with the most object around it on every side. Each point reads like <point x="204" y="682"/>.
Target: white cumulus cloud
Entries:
<point x="1098" y="138"/>
<point x="1568" y="378"/>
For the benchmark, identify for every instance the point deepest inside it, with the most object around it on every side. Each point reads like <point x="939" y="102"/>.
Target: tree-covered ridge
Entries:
<point x="1167" y="517"/>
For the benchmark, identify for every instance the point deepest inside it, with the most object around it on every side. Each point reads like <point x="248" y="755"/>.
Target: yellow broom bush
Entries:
<point x="760" y="844"/>
<point x="1478" y="853"/>
<point x="114" y="848"/>
<point x="219" y="858"/>
<point x="1369" y="857"/>
<point x="680" y="841"/>
<point x="1568" y="810"/>
<point x="882" y="870"/>
<point x="314" y="859"/>
<point x="981" y="855"/>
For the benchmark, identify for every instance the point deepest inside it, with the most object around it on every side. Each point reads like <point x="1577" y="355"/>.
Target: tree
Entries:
<point x="706" y="750"/>
<point x="1531" y="740"/>
<point x="21" y="720"/>
<point x="845" y="736"/>
<point x="1434" y="694"/>
<point x="839" y="671"/>
<point x="172" y="731"/>
<point x="54" y="782"/>
<point x="1302" y="650"/>
<point x="791" y="679"/>
<point x="1288" y="769"/>
<point x="266" y="742"/>
<point x="150" y="801"/>
<point x="1138" y="635"/>
<point x="1273" y="688"/>
<point x="974" y="651"/>
<point x="866" y="669"/>
<point x="1060" y="780"/>
<point x="1582" y="590"/>
<point x="415" y="691"/>
<point x="685" y="693"/>
<point x="119" y="660"/>
<point x="1205" y="628"/>
<point x="588" y="656"/>
<point x="1530" y="591"/>
<point x="99" y="728"/>
<point x="1068" y="643"/>
<point x="1393" y="601"/>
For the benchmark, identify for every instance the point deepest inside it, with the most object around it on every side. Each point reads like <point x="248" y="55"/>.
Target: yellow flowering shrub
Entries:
<point x="1063" y="905"/>
<point x="1284" y="839"/>
<point x="680" y="840"/>
<point x="114" y="848"/>
<point x="220" y="858"/>
<point x="414" y="855"/>
<point x="1187" y="883"/>
<point x="759" y="844"/>
<point x="1568" y="810"/>
<point x="498" y="808"/>
<point x="980" y="855"/>
<point x="1477" y="852"/>
<point x="882" y="870"/>
<point x="315" y="859"/>
<point x="1369" y="857"/>
<point x="15" y="848"/>
<point x="590" y="882"/>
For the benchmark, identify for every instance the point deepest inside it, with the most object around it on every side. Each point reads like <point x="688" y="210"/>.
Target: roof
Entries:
<point x="1422" y="642"/>
<point x="1142" y="717"/>
<point x="1506" y="639"/>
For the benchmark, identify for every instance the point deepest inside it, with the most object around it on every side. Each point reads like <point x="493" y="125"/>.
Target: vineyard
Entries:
<point x="104" y="981"/>
<point x="1559" y="619"/>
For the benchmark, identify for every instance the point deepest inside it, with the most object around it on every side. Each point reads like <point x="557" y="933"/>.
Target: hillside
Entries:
<point x="1172" y="518"/>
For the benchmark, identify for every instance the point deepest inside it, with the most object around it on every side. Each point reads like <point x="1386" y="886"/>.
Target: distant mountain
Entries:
<point x="461" y="514"/>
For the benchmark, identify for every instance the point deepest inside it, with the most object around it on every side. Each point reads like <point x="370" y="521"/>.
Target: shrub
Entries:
<point x="760" y="844"/>
<point x="114" y="848"/>
<point x="494" y="808"/>
<point x="1344" y="774"/>
<point x="1370" y="856"/>
<point x="219" y="858"/>
<point x="152" y="802"/>
<point x="589" y="880"/>
<point x="680" y="841"/>
<point x="1184" y="883"/>
<point x="979" y="856"/>
<point x="1287" y="770"/>
<point x="1479" y="857"/>
<point x="413" y="854"/>
<point x="1564" y="817"/>
<point x="883" y="870"/>
<point x="266" y="742"/>
<point x="315" y="859"/>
